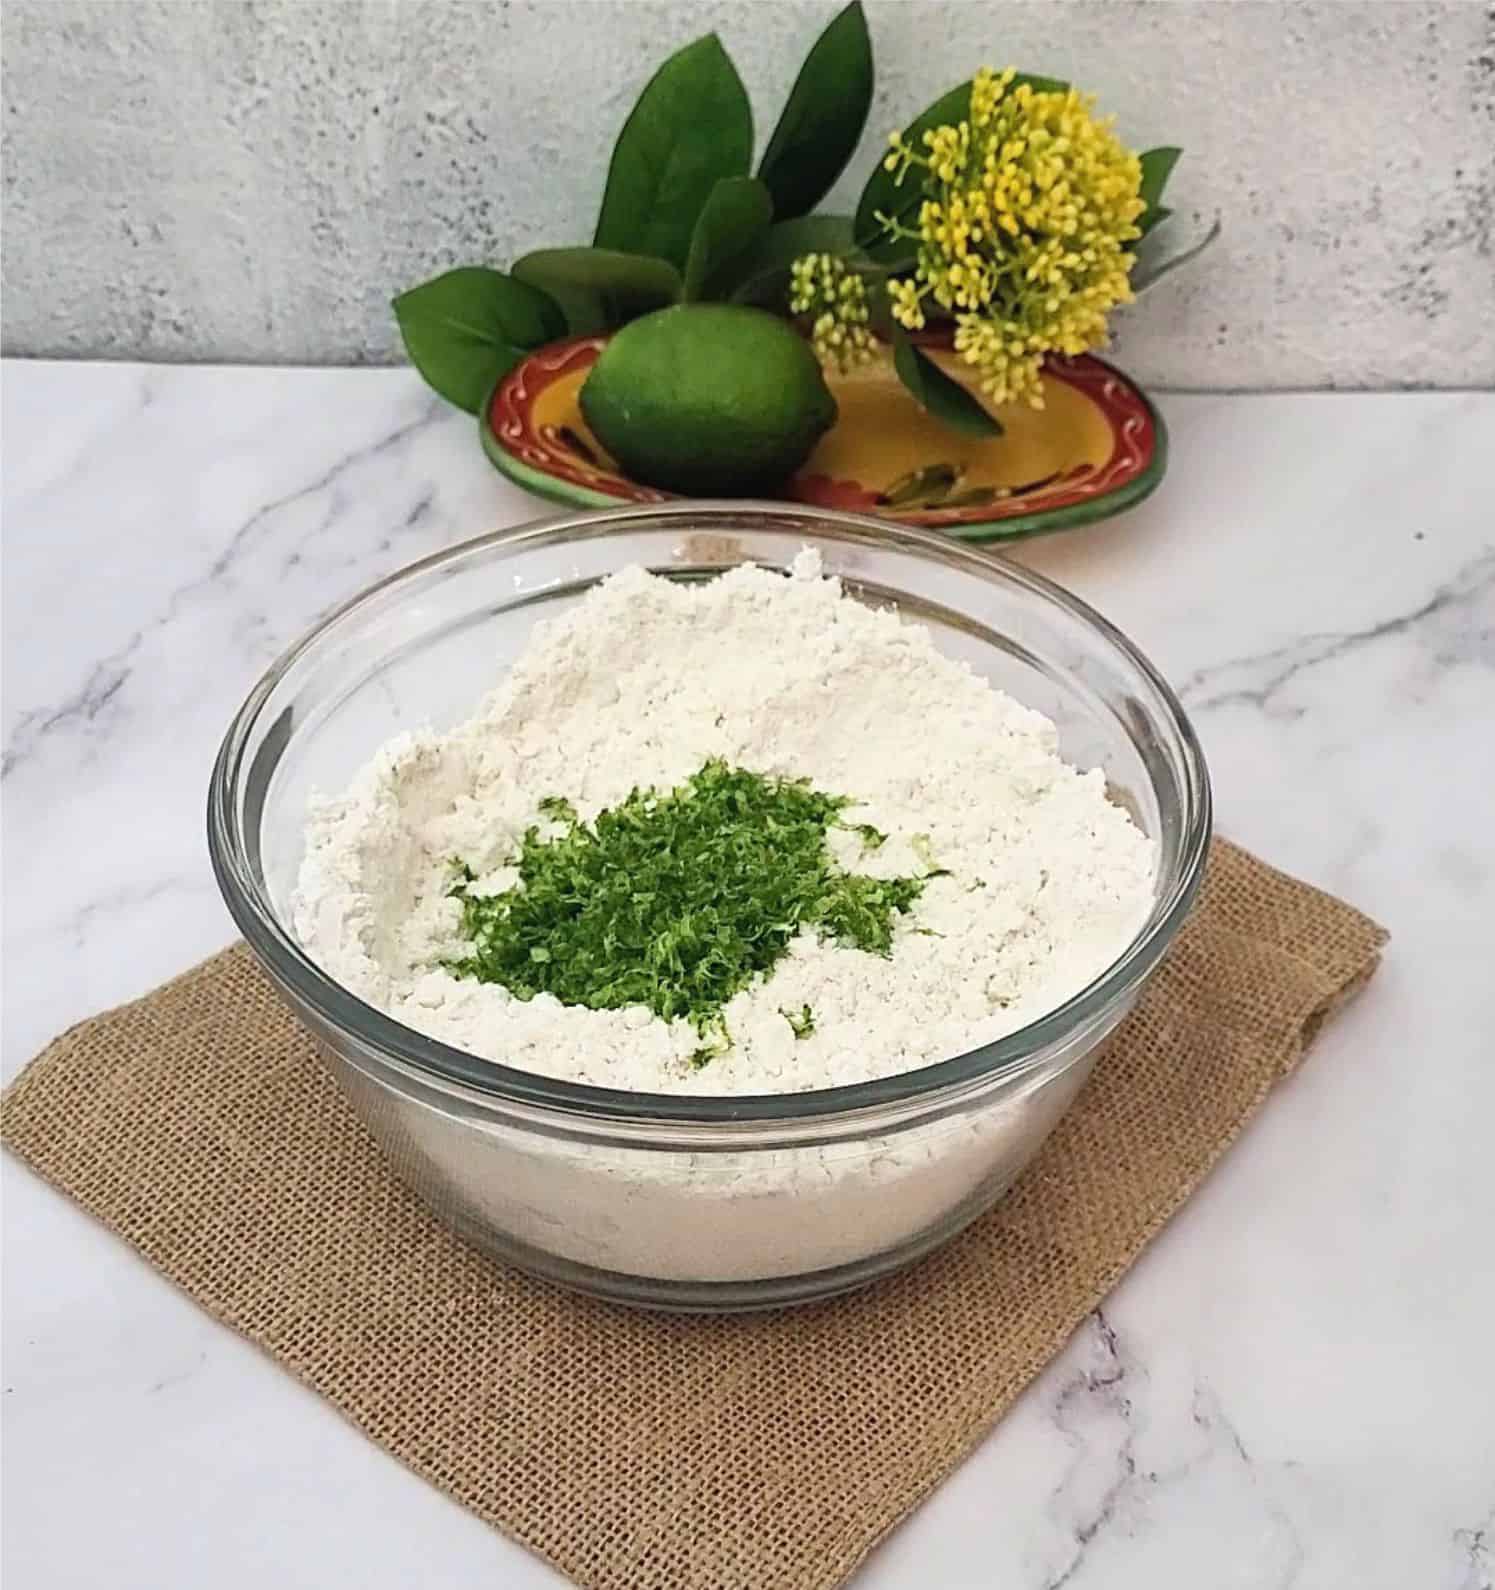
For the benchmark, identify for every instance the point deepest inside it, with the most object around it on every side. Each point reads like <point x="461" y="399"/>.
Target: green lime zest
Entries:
<point x="923" y="848"/>
<point x="802" y="1023"/>
<point x="872" y="838"/>
<point x="675" y="901"/>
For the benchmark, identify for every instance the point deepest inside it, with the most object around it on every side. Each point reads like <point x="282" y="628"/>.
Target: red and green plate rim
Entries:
<point x="1137" y="465"/>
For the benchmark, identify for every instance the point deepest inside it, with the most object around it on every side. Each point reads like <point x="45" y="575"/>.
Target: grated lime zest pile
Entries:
<point x="677" y="901"/>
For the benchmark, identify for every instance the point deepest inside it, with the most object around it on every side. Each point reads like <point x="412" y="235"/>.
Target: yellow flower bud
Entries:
<point x="1025" y="209"/>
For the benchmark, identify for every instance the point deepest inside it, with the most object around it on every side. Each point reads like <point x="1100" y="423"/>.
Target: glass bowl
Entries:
<point x="724" y="1202"/>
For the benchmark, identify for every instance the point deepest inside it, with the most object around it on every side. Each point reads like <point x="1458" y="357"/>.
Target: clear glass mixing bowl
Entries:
<point x="694" y="1202"/>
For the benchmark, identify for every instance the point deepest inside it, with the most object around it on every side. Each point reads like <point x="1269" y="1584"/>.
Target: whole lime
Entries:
<point x="709" y="400"/>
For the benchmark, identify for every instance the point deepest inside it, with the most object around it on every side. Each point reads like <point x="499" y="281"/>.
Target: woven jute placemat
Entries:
<point x="657" y="1452"/>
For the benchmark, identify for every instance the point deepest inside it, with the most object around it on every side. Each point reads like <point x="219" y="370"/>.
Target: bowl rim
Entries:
<point x="297" y="974"/>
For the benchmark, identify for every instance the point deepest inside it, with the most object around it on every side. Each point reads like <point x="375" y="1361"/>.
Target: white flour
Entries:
<point x="639" y="685"/>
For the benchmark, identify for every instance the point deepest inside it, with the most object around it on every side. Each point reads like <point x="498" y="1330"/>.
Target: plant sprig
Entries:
<point x="682" y="220"/>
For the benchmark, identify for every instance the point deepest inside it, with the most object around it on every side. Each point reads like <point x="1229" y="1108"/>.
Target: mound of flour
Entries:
<point x="638" y="685"/>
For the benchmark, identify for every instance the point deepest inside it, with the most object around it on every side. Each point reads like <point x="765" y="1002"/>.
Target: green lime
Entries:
<point x="710" y="400"/>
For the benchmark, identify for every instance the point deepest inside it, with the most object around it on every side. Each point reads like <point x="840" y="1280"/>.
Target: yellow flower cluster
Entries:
<point x="1029" y="205"/>
<point x="826" y="287"/>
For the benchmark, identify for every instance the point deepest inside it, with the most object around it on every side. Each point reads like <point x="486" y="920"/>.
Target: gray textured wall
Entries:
<point x="212" y="179"/>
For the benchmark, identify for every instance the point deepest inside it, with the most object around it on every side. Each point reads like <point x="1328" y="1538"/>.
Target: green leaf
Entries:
<point x="1152" y="266"/>
<point x="884" y="196"/>
<point x="735" y="216"/>
<point x="971" y="497"/>
<point x="468" y="328"/>
<point x="823" y="117"/>
<point x="944" y="399"/>
<point x="933" y="483"/>
<point x="761" y="275"/>
<point x="585" y="311"/>
<point x="1157" y="167"/>
<point x="691" y="127"/>
<point x="599" y="287"/>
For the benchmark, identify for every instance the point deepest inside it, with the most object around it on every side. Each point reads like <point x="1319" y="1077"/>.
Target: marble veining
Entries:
<point x="1457" y="616"/>
<point x="1290" y="1388"/>
<point x="109" y="674"/>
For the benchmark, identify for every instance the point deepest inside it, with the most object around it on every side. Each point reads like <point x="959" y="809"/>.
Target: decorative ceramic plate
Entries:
<point x="1097" y="446"/>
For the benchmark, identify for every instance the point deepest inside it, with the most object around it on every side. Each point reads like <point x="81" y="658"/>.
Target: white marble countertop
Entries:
<point x="1292" y="1388"/>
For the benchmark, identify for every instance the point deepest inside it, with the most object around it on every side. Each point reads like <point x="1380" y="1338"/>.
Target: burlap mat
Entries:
<point x="653" y="1452"/>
